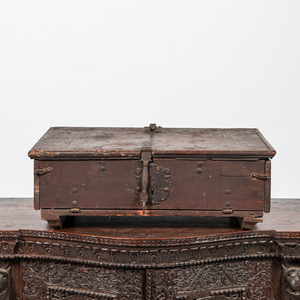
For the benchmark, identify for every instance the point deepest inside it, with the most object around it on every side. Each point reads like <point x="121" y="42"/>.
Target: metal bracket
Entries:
<point x="260" y="176"/>
<point x="146" y="158"/>
<point x="43" y="171"/>
<point x="227" y="211"/>
<point x="152" y="185"/>
<point x="75" y="210"/>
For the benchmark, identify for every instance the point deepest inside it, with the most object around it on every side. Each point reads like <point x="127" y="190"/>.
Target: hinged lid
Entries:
<point x="102" y="142"/>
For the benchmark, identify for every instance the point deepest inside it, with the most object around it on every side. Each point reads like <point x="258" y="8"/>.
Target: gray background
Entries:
<point x="130" y="63"/>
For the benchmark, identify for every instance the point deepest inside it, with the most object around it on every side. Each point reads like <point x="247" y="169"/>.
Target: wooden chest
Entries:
<point x="152" y="171"/>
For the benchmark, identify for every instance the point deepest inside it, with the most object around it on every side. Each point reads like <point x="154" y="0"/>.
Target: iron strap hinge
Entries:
<point x="146" y="158"/>
<point x="260" y="176"/>
<point x="43" y="171"/>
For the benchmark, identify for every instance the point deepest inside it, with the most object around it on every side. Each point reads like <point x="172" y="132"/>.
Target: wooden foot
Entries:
<point x="56" y="223"/>
<point x="248" y="223"/>
<point x="54" y="218"/>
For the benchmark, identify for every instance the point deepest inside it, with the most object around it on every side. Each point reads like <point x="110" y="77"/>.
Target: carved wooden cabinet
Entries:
<point x="159" y="261"/>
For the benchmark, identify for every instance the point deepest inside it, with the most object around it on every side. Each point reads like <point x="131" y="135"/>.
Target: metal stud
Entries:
<point x="199" y="171"/>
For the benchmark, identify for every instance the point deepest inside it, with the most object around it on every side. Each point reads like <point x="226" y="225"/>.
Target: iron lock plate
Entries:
<point x="152" y="186"/>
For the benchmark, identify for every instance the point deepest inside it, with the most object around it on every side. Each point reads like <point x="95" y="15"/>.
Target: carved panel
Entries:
<point x="36" y="275"/>
<point x="7" y="247"/>
<point x="241" y="279"/>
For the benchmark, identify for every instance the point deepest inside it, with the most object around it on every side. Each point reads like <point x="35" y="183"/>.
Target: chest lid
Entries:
<point x="114" y="142"/>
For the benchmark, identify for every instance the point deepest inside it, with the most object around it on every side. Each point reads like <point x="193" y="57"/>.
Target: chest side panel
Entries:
<point x="238" y="189"/>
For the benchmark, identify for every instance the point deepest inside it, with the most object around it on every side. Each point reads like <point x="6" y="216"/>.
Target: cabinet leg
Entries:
<point x="248" y="223"/>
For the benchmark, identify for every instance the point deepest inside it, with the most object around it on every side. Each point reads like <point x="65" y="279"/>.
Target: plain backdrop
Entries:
<point x="129" y="63"/>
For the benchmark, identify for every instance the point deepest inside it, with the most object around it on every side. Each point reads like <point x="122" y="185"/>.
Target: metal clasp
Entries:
<point x="153" y="128"/>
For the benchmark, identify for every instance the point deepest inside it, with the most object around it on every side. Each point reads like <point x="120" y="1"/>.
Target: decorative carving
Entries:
<point x="60" y="293"/>
<point x="194" y="282"/>
<point x="125" y="283"/>
<point x="7" y="247"/>
<point x="148" y="242"/>
<point x="237" y="265"/>
<point x="291" y="277"/>
<point x="143" y="258"/>
<point x="4" y="283"/>
<point x="229" y="294"/>
<point x="290" y="250"/>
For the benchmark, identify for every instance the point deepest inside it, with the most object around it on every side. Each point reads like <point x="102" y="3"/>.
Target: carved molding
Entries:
<point x="148" y="242"/>
<point x="7" y="248"/>
<point x="147" y="258"/>
<point x="290" y="250"/>
<point x="61" y="293"/>
<point x="10" y="234"/>
<point x="288" y="235"/>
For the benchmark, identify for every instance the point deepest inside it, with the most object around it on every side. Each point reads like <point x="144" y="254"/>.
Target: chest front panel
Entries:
<point x="173" y="184"/>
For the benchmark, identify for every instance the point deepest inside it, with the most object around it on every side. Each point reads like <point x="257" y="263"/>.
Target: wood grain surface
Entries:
<point x="84" y="142"/>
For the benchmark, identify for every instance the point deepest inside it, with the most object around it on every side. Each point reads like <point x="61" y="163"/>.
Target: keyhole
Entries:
<point x="152" y="191"/>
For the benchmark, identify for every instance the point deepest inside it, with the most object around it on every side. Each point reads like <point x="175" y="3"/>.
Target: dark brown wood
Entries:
<point x="268" y="186"/>
<point x="136" y="258"/>
<point x="87" y="142"/>
<point x="164" y="171"/>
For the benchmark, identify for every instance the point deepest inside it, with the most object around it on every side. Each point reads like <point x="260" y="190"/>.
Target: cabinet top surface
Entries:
<point x="93" y="142"/>
<point x="18" y="214"/>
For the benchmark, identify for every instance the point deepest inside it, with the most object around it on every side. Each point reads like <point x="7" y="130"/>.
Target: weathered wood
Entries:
<point x="87" y="142"/>
<point x="203" y="172"/>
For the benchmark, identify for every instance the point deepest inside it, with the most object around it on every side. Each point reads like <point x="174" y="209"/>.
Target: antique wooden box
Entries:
<point x="152" y="171"/>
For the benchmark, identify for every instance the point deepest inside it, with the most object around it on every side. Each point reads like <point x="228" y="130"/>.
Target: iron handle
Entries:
<point x="43" y="171"/>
